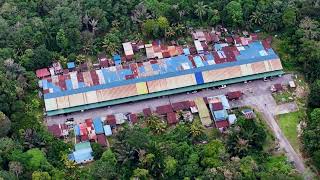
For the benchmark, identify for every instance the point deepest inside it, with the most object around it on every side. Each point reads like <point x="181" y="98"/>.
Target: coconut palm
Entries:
<point x="196" y="129"/>
<point x="257" y="18"/>
<point x="271" y="24"/>
<point x="170" y="33"/>
<point x="93" y="24"/>
<point x="200" y="9"/>
<point x="242" y="146"/>
<point x="86" y="20"/>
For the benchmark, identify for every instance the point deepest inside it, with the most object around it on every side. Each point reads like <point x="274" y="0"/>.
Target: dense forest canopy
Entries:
<point x="34" y="33"/>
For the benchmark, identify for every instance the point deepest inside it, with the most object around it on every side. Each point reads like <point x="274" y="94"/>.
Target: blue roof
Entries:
<point x="169" y="67"/>
<point x="224" y="101"/>
<point x="82" y="153"/>
<point x="220" y="115"/>
<point x="81" y="156"/>
<point x="77" y="130"/>
<point x="117" y="59"/>
<point x="198" y="61"/>
<point x="71" y="65"/>
<point x="186" y="51"/>
<point x="98" y="127"/>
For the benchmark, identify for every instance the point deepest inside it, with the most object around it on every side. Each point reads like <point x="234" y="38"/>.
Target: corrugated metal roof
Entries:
<point x="163" y="93"/>
<point x="203" y="112"/>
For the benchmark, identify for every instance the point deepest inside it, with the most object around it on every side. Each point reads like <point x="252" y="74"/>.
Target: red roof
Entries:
<point x="84" y="137"/>
<point x="104" y="63"/>
<point x="222" y="124"/>
<point x="234" y="95"/>
<point x="181" y="105"/>
<point x="164" y="109"/>
<point x="101" y="139"/>
<point x="133" y="118"/>
<point x="172" y="118"/>
<point x="166" y="54"/>
<point x="111" y="120"/>
<point x="88" y="122"/>
<point x="55" y="130"/>
<point x="229" y="39"/>
<point x="266" y="44"/>
<point x="217" y="106"/>
<point x="278" y="87"/>
<point x="41" y="73"/>
<point x="147" y="112"/>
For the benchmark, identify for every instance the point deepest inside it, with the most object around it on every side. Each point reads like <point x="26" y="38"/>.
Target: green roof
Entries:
<point x="83" y="145"/>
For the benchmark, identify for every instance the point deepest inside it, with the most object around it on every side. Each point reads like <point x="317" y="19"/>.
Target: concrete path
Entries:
<point x="256" y="94"/>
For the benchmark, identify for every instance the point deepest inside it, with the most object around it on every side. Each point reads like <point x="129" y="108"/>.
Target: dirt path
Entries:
<point x="267" y="108"/>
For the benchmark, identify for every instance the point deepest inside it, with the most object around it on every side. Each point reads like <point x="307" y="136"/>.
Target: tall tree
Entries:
<point x="200" y="9"/>
<point x="5" y="125"/>
<point x="234" y="14"/>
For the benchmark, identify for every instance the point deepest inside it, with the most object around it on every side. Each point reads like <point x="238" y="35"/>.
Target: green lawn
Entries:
<point x="288" y="123"/>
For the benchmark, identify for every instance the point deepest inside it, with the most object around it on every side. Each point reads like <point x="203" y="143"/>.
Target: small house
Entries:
<point x="82" y="154"/>
<point x="42" y="73"/>
<point x="172" y="118"/>
<point x="234" y="95"/>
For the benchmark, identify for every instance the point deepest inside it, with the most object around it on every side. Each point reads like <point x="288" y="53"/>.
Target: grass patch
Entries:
<point x="288" y="124"/>
<point x="283" y="97"/>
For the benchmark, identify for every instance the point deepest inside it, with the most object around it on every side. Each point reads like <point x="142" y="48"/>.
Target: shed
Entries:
<point x="164" y="109"/>
<point x="248" y="113"/>
<point x="120" y="118"/>
<point x="41" y="73"/>
<point x="276" y="88"/>
<point x="178" y="106"/>
<point x="234" y="95"/>
<point x="292" y="84"/>
<point x="133" y="118"/>
<point x="101" y="139"/>
<point x="97" y="123"/>
<point x="147" y="112"/>
<point x="232" y="118"/>
<point x="222" y="124"/>
<point x="172" y="118"/>
<point x="117" y="59"/>
<point x="71" y="65"/>
<point x="111" y="120"/>
<point x="107" y="130"/>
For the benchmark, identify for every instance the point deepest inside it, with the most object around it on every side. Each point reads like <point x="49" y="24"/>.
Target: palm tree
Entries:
<point x="86" y="20"/>
<point x="200" y="9"/>
<point x="196" y="128"/>
<point x="93" y="24"/>
<point x="242" y="146"/>
<point x="257" y="18"/>
<point x="271" y="24"/>
<point x="170" y="33"/>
